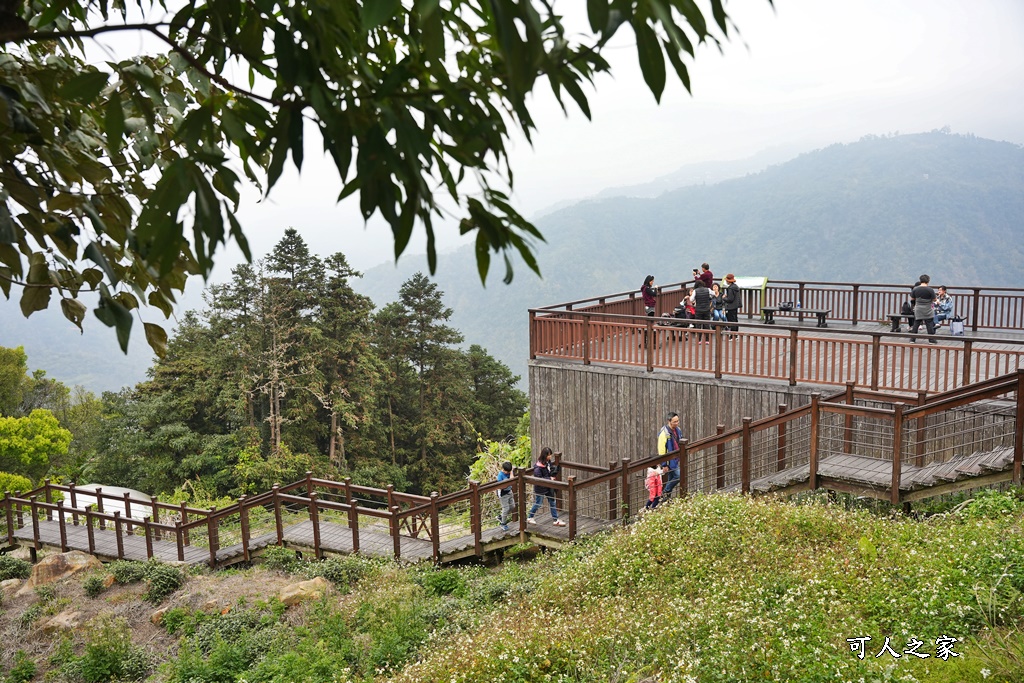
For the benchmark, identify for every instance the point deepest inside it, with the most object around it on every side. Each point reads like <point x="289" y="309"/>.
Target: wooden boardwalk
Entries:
<point x="334" y="539"/>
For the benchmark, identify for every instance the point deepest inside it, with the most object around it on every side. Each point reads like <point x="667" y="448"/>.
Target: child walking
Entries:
<point x="505" y="495"/>
<point x="653" y="486"/>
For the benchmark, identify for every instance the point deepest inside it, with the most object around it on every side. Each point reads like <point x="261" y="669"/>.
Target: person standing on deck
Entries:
<point x="542" y="470"/>
<point x="733" y="302"/>
<point x="669" y="439"/>
<point x="702" y="302"/>
<point x="649" y="293"/>
<point x="924" y="297"/>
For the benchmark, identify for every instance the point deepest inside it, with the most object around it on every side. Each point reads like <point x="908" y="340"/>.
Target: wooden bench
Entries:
<point x="897" y="318"/>
<point x="770" y="311"/>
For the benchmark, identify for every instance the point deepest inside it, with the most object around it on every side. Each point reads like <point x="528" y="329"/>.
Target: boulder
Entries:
<point x="9" y="586"/>
<point x="157" y="617"/>
<point x="314" y="589"/>
<point x="58" y="567"/>
<point x="108" y="581"/>
<point x="65" y="621"/>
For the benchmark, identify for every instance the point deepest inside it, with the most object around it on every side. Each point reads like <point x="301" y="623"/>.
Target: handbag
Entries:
<point x="956" y="327"/>
<point x="786" y="306"/>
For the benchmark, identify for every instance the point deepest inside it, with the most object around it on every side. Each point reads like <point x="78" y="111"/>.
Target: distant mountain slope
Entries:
<point x="883" y="209"/>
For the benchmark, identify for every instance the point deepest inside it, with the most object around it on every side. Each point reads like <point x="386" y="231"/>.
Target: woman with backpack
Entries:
<point x="542" y="470"/>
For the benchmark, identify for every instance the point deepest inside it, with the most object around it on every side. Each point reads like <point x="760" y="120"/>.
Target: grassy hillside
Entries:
<point x="715" y="588"/>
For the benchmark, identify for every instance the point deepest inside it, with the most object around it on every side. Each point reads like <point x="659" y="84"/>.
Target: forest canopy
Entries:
<point x="286" y="369"/>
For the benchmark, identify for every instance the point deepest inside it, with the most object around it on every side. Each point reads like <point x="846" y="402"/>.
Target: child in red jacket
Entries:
<point x="653" y="486"/>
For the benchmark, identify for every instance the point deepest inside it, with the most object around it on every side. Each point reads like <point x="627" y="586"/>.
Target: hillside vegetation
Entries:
<point x="719" y="588"/>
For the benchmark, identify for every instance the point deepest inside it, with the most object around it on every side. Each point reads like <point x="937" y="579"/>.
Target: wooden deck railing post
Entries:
<point x="718" y="350"/>
<point x="126" y="499"/>
<point x="571" y="505"/>
<point x="314" y="518"/>
<point x="897" y="448"/>
<point x="876" y="360"/>
<point x="156" y="516"/>
<point x="49" y="498"/>
<point x="533" y="335"/>
<point x="73" y="497"/>
<point x="848" y="419"/>
<point x="36" y="545"/>
<point x="275" y="495"/>
<point x="684" y="468"/>
<point x="613" y="493"/>
<point x="626" y="503"/>
<point x="118" y="534"/>
<point x="435" y="528"/>
<point x="180" y="540"/>
<point x="856" y="304"/>
<point x="19" y="511"/>
<point x="90" y="536"/>
<point x="309" y="482"/>
<point x="968" y="364"/>
<point x="243" y="523"/>
<point x="475" y="518"/>
<point x="780" y="461"/>
<point x="1018" y="432"/>
<point x="9" y="513"/>
<point x="815" y="423"/>
<point x="99" y="506"/>
<point x="651" y="342"/>
<point x="184" y="521"/>
<point x="148" y="531"/>
<point x="720" y="460"/>
<point x="521" y="503"/>
<point x="793" y="358"/>
<point x="353" y="514"/>
<point x="211" y="536"/>
<point x="396" y="538"/>
<point x="745" y="462"/>
<point x="976" y="306"/>
<point x="60" y="524"/>
<point x="586" y="339"/>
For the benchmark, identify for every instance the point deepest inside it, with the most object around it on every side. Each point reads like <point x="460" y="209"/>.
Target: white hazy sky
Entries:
<point x="807" y="73"/>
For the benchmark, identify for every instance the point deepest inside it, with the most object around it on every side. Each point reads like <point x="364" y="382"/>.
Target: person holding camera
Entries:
<point x="649" y="293"/>
<point x="705" y="275"/>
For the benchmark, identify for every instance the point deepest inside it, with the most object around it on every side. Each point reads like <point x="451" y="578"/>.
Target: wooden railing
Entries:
<point x="872" y="359"/>
<point x="870" y="424"/>
<point x="992" y="308"/>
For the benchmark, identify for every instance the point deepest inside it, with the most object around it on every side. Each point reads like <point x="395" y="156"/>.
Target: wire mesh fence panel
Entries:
<point x="454" y="520"/>
<point x="982" y="427"/>
<point x="702" y="469"/>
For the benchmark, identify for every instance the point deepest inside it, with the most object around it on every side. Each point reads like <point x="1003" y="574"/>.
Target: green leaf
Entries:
<point x="85" y="87"/>
<point x="597" y="12"/>
<point x="35" y="298"/>
<point x="114" y="123"/>
<point x="157" y="338"/>
<point x="113" y="314"/>
<point x="652" y="61"/>
<point x="74" y="310"/>
<point x="377" y="12"/>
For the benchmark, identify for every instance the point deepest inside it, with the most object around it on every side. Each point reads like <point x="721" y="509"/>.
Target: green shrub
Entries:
<point x="127" y="571"/>
<point x="14" y="482"/>
<point x="93" y="585"/>
<point x="162" y="579"/>
<point x="343" y="572"/>
<point x="109" y="655"/>
<point x="13" y="568"/>
<point x="281" y="559"/>
<point x="988" y="504"/>
<point x="444" y="582"/>
<point x="23" y="670"/>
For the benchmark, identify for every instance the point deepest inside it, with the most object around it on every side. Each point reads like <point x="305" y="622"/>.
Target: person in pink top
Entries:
<point x="653" y="486"/>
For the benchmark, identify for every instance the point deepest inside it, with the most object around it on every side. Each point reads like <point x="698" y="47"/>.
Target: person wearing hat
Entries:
<point x="732" y="302"/>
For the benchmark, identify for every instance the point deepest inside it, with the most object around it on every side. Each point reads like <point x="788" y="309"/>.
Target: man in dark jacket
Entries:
<point x="732" y="302"/>
<point x="702" y="305"/>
